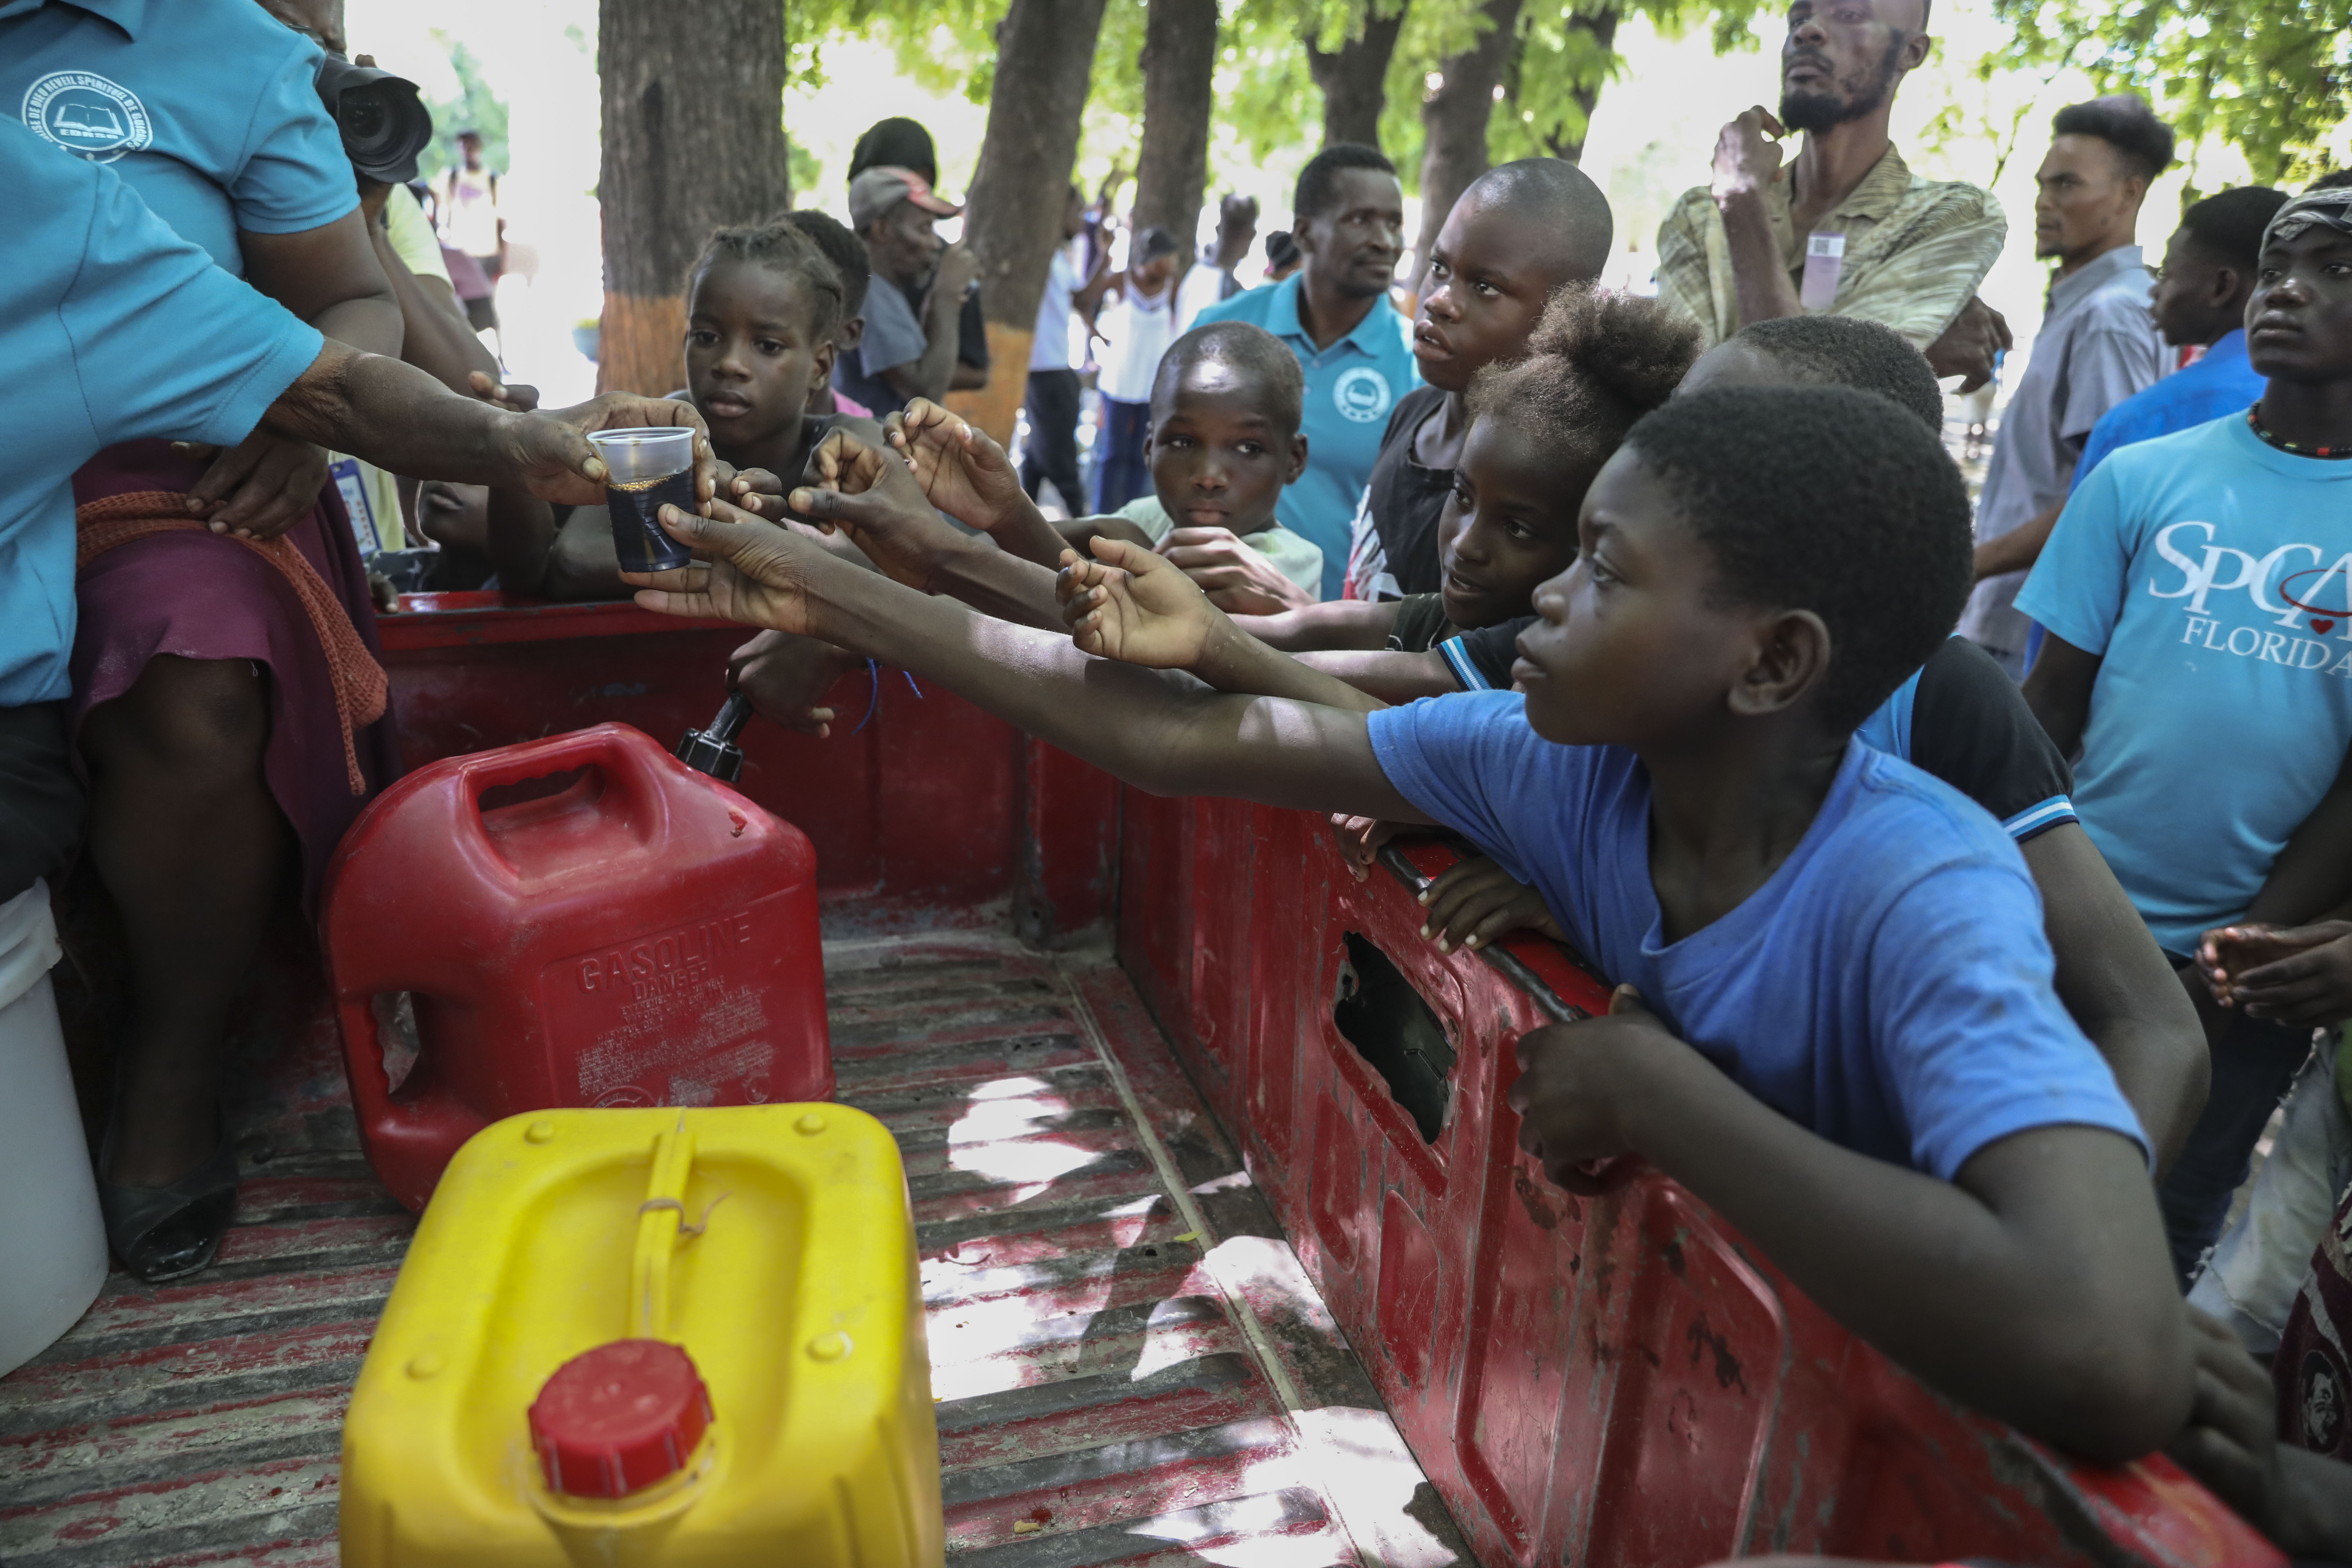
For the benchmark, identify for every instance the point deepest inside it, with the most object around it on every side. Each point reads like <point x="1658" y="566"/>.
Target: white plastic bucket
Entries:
<point x="52" y="1241"/>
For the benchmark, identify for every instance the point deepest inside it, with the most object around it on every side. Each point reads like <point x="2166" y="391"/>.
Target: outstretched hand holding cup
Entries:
<point x="545" y="452"/>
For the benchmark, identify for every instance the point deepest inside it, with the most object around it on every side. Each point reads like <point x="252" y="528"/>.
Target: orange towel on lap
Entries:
<point x="359" y="680"/>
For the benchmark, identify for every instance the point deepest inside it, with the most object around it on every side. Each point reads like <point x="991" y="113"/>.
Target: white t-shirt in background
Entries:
<point x="1050" y="349"/>
<point x="1202" y="287"/>
<point x="1139" y="328"/>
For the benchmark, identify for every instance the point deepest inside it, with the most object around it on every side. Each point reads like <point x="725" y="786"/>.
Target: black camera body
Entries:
<point x="384" y="124"/>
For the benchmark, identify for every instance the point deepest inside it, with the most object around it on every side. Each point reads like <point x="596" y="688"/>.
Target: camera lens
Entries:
<point x="384" y="125"/>
<point x="363" y="120"/>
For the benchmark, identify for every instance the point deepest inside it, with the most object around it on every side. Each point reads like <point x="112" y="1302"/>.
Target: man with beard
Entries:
<point x="1357" y="352"/>
<point x="2097" y="346"/>
<point x="1847" y="228"/>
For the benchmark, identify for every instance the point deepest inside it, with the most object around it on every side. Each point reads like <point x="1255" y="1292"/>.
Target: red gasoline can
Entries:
<point x="635" y="934"/>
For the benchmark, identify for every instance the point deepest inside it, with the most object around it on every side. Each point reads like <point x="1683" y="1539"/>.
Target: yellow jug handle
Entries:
<point x="661" y="1219"/>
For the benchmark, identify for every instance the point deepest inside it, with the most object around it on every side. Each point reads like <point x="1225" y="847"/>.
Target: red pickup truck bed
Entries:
<point x="1229" y="1254"/>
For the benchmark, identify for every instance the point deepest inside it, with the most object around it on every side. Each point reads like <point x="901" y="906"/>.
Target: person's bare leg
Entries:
<point x="189" y="841"/>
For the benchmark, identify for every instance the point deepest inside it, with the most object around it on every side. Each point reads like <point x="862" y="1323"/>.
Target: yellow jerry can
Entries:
<point x="667" y="1337"/>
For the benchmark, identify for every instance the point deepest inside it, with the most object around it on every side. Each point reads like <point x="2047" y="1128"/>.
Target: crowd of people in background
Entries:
<point x="1973" y="1025"/>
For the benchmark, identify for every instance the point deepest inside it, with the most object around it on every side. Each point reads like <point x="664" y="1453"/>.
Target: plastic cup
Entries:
<point x="650" y="468"/>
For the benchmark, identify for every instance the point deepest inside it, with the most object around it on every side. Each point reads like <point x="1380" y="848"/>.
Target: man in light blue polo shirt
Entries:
<point x="1356" y="350"/>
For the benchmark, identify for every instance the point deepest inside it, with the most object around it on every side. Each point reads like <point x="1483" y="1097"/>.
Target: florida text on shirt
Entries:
<point x="2291" y="606"/>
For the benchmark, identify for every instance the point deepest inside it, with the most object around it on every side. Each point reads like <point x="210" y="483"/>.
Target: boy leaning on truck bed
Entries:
<point x="1927" y="1144"/>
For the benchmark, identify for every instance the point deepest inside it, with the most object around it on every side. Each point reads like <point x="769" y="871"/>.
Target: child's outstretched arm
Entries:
<point x="1134" y="605"/>
<point x="902" y="534"/>
<point x="1391" y="676"/>
<point x="1160" y="733"/>
<point x="2034" y="1286"/>
<point x="968" y="475"/>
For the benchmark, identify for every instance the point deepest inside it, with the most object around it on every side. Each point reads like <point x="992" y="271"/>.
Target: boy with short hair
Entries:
<point x="1845" y="1040"/>
<point x="847" y="254"/>
<point x="1222" y="442"/>
<point x="2198" y="598"/>
<point x="1520" y="233"/>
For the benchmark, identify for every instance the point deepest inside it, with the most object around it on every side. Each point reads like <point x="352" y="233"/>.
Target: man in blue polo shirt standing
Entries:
<point x="1357" y="352"/>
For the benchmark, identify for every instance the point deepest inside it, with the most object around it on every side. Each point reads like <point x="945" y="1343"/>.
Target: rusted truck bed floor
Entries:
<point x="1131" y="1367"/>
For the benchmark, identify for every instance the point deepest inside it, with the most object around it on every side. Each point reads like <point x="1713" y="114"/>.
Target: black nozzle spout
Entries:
<point x="713" y="751"/>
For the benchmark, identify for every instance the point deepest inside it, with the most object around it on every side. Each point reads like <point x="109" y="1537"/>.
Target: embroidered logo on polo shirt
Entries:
<point x="1362" y="394"/>
<point x="87" y="115"/>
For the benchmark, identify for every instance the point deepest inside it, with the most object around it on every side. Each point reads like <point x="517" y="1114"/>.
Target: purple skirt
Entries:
<point x="199" y="595"/>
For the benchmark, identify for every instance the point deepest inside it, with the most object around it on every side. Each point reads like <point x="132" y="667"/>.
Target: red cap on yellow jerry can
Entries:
<point x="616" y="1419"/>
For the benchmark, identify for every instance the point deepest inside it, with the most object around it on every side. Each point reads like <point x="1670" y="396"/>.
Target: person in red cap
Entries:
<point x="908" y="350"/>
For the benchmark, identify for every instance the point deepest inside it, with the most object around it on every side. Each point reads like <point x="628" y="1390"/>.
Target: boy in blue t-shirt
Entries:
<point x="1840" y="1030"/>
<point x="2198" y="597"/>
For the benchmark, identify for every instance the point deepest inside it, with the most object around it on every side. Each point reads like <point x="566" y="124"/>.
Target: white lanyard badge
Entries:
<point x="1824" y="259"/>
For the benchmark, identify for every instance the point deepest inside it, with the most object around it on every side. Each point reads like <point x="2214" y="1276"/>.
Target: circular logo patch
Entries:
<point x="1362" y="394"/>
<point x="88" y="115"/>
<point x="628" y="1095"/>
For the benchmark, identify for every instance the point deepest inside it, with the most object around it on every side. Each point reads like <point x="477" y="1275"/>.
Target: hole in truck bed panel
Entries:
<point x="1398" y="1035"/>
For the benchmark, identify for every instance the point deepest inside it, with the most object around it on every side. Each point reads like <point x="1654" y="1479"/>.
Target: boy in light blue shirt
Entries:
<point x="2197" y="591"/>
<point x="1355" y="349"/>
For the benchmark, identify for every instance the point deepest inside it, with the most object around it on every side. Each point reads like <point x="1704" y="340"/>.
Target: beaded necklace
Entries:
<point x="2254" y="423"/>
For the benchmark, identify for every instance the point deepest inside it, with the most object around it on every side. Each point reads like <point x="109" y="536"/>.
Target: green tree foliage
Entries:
<point x="1265" y="98"/>
<point x="2269" y="77"/>
<point x="475" y="108"/>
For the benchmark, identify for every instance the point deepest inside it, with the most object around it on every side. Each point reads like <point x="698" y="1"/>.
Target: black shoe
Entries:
<point x="173" y="1231"/>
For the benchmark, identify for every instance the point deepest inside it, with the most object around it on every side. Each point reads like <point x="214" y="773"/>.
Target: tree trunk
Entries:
<point x="693" y="139"/>
<point x="1044" y="62"/>
<point x="1354" y="81"/>
<point x="1453" y="123"/>
<point x="1180" y="57"/>
<point x="1603" y="25"/>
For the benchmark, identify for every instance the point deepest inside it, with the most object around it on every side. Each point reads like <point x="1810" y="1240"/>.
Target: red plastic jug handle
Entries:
<point x="371" y="1081"/>
<point x="632" y="762"/>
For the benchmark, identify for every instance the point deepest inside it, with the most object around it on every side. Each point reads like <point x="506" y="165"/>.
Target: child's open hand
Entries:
<point x="962" y="472"/>
<point x="1239" y="580"/>
<point x="1567" y="1089"/>
<point x="2297" y="975"/>
<point x="1129" y="604"/>
<point x="748" y="571"/>
<point x="871" y="498"/>
<point x="1474" y="902"/>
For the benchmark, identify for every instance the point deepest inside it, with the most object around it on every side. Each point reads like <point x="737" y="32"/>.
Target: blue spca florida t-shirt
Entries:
<point x="2213" y="575"/>
<point x="1888" y="986"/>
